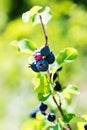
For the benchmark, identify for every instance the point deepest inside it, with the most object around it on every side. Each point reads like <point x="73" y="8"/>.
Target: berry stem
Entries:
<point x="48" y="73"/>
<point x="45" y="34"/>
<point x="59" y="105"/>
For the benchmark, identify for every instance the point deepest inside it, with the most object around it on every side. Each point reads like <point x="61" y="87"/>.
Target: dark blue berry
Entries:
<point x="55" y="76"/>
<point x="85" y="126"/>
<point x="33" y="113"/>
<point x="42" y="65"/>
<point x="33" y="67"/>
<point x="59" y="69"/>
<point x="57" y="86"/>
<point x="43" y="107"/>
<point x="51" y="117"/>
<point x="45" y="51"/>
<point x="50" y="58"/>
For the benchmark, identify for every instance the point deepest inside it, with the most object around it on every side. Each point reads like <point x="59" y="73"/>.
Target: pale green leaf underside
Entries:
<point x="71" y="89"/>
<point x="26" y="16"/>
<point x="34" y="14"/>
<point x="46" y="16"/>
<point x="24" y="45"/>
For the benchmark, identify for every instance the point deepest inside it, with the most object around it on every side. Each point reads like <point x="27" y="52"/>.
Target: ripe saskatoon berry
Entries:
<point x="57" y="86"/>
<point x="42" y="65"/>
<point x="33" y="113"/>
<point x="37" y="56"/>
<point x="51" y="117"/>
<point x="59" y="69"/>
<point x="50" y="58"/>
<point x="45" y="51"/>
<point x="55" y="76"/>
<point x="85" y="126"/>
<point x="33" y="67"/>
<point x="43" y="107"/>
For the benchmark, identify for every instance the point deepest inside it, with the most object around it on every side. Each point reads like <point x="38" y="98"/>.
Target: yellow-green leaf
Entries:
<point x="67" y="55"/>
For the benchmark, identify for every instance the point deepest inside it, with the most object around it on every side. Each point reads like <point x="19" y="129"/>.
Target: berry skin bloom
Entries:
<point x="50" y="58"/>
<point x="33" y="67"/>
<point x="33" y="113"/>
<point x="42" y="65"/>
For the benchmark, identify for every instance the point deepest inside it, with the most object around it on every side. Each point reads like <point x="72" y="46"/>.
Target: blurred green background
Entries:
<point x="67" y="28"/>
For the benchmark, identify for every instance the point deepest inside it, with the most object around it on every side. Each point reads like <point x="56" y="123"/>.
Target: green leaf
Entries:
<point x="43" y="97"/>
<point x="67" y="117"/>
<point x="46" y="16"/>
<point x="24" y="45"/>
<point x="77" y="119"/>
<point x="43" y="89"/>
<point x="67" y="55"/>
<point x="55" y="127"/>
<point x="26" y="16"/>
<point x="70" y="89"/>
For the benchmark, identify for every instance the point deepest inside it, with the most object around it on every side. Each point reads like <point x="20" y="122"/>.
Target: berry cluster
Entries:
<point x="50" y="116"/>
<point x="43" y="108"/>
<point x="43" y="57"/>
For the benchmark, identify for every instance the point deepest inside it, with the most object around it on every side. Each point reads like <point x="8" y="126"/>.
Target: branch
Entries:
<point x="59" y="105"/>
<point x="45" y="34"/>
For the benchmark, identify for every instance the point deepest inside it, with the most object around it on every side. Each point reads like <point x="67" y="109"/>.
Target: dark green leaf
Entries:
<point x="67" y="118"/>
<point x="67" y="55"/>
<point x="43" y="97"/>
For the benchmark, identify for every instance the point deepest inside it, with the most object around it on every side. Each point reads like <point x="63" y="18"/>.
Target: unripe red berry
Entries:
<point x="37" y="56"/>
